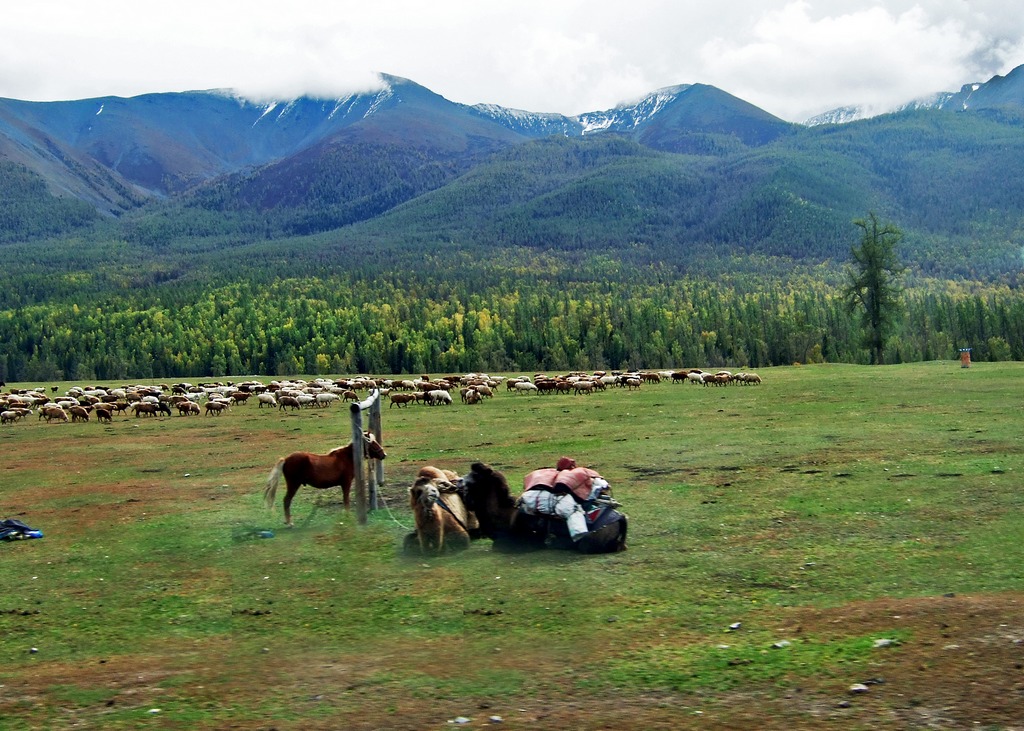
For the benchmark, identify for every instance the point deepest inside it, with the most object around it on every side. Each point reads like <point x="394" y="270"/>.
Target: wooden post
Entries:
<point x="366" y="481"/>
<point x="377" y="476"/>
<point x="357" y="463"/>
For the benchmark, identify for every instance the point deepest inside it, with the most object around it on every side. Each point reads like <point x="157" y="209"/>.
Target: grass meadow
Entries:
<point x="777" y="533"/>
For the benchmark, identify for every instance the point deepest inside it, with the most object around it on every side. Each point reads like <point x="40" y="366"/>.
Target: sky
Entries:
<point x="792" y="58"/>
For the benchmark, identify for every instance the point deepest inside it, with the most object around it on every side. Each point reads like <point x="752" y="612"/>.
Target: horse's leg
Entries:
<point x="346" y="490"/>
<point x="293" y="487"/>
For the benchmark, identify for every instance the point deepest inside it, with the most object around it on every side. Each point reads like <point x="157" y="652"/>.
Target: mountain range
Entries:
<point x="111" y="150"/>
<point x="998" y="92"/>
<point x="686" y="169"/>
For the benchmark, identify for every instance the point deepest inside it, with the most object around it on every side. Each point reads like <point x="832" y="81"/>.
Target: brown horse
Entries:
<point x="318" y="470"/>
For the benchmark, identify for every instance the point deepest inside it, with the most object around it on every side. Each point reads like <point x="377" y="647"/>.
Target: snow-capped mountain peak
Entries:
<point x="997" y="92"/>
<point x="630" y="115"/>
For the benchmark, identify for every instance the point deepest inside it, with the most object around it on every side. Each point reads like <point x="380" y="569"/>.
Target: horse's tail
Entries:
<point x="270" y="491"/>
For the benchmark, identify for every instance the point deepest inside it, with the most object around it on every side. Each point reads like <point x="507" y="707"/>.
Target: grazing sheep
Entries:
<point x="437" y="397"/>
<point x="79" y="413"/>
<point x="144" y="409"/>
<point x="324" y="400"/>
<point x="53" y="413"/>
<point x="401" y="399"/>
<point x="216" y="407"/>
<point x="583" y="387"/>
<point x="186" y="407"/>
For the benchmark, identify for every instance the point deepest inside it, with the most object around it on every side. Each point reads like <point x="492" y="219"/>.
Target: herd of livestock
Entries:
<point x="82" y="404"/>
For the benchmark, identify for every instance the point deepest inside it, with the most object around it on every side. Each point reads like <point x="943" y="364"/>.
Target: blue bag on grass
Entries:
<point x="12" y="529"/>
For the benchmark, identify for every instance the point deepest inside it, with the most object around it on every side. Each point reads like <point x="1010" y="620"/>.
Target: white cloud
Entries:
<point x="806" y="64"/>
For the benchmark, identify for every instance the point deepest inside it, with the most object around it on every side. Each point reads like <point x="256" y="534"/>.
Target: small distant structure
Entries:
<point x="965" y="357"/>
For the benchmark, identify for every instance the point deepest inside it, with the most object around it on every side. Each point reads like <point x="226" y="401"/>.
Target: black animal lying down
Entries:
<point x="486" y="494"/>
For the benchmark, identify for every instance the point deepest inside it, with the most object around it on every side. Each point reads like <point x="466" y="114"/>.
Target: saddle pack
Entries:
<point x="578" y="481"/>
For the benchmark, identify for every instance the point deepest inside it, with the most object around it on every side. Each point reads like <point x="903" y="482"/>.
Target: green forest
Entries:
<point x="510" y="311"/>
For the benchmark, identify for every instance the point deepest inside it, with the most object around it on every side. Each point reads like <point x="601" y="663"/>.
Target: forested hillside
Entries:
<point x="502" y="309"/>
<point x="29" y="211"/>
<point x="953" y="183"/>
<point x="394" y="248"/>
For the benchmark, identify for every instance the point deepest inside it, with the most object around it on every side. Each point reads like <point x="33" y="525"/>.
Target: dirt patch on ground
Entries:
<point x="960" y="666"/>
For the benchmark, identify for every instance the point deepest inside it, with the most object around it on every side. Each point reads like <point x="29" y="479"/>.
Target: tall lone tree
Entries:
<point x="874" y="284"/>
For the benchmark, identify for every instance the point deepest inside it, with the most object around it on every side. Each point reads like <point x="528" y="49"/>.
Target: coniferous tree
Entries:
<point x="874" y="282"/>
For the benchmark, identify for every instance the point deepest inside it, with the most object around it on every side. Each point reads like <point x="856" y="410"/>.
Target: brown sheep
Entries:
<point x="717" y="379"/>
<point x="215" y="407"/>
<point x="583" y="387"/>
<point x="143" y="408"/>
<point x="51" y="413"/>
<point x="79" y="413"/>
<point x="401" y="399"/>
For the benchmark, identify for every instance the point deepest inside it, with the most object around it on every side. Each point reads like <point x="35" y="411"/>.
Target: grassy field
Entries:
<point x="777" y="533"/>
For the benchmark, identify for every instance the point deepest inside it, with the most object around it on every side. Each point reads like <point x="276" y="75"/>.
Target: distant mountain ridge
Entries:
<point x="114" y="153"/>
<point x="163" y="144"/>
<point x="999" y="92"/>
<point x="688" y="171"/>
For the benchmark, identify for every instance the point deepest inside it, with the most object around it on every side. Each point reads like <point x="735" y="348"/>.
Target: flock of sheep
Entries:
<point x="213" y="399"/>
<point x="83" y="403"/>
